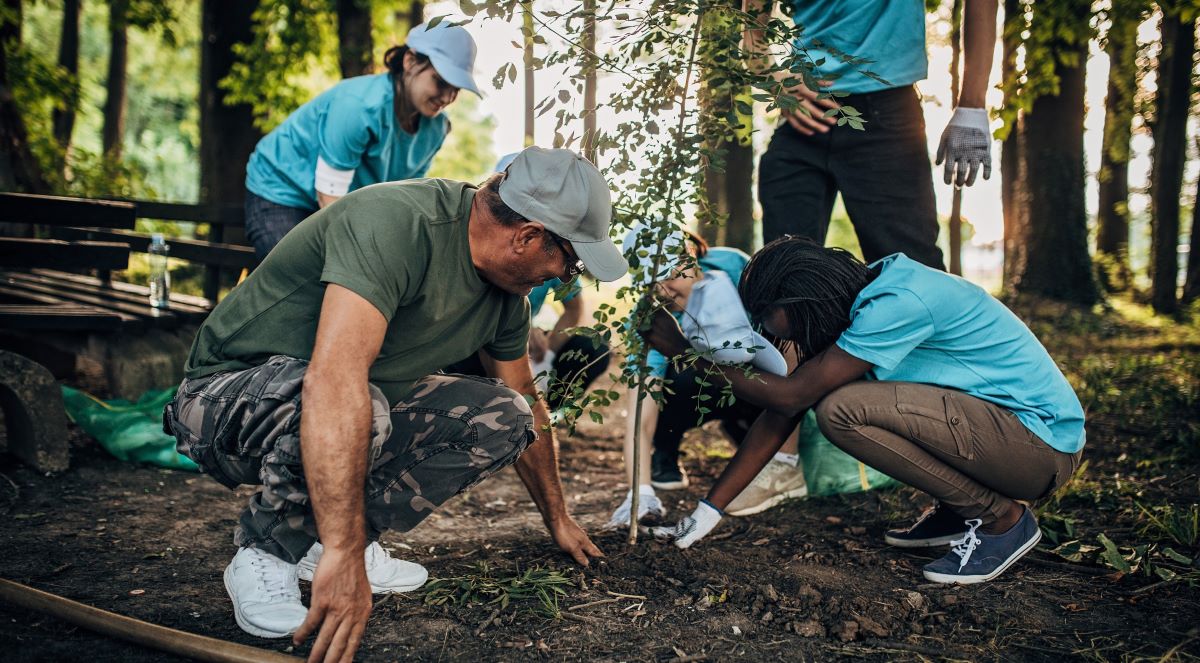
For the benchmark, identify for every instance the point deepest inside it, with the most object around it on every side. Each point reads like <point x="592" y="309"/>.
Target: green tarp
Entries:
<point x="129" y="431"/>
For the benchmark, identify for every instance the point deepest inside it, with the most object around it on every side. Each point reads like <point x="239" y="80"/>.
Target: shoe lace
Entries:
<point x="274" y="581"/>
<point x="965" y="546"/>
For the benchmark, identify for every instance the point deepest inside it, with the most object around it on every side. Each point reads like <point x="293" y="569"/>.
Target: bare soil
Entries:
<point x="809" y="580"/>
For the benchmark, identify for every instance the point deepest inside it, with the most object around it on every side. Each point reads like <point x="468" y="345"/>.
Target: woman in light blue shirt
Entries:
<point x="364" y="130"/>
<point x="917" y="373"/>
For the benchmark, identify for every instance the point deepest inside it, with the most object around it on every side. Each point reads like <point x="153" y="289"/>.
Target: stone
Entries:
<point x="809" y="629"/>
<point x="35" y="419"/>
<point x="846" y="631"/>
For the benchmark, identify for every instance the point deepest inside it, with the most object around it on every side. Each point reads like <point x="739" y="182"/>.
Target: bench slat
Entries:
<point x="193" y="250"/>
<point x="23" y="252"/>
<point x="70" y="286"/>
<point x="150" y="315"/>
<point x="139" y="292"/>
<point x="61" y="211"/>
<point x="57" y="317"/>
<point x="221" y="215"/>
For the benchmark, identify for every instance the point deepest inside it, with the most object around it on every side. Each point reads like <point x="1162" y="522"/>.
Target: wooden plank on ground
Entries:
<point x="24" y="252"/>
<point x="62" y="211"/>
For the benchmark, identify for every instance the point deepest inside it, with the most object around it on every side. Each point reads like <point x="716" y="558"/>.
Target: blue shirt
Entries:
<point x="352" y="126"/>
<point x="537" y="296"/>
<point x="719" y="258"/>
<point x="917" y="324"/>
<point x="889" y="33"/>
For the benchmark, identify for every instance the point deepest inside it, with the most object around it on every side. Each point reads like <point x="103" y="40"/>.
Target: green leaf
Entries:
<point x="1111" y="555"/>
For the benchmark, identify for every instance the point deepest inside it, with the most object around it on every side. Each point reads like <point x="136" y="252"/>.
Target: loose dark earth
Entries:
<point x="810" y="580"/>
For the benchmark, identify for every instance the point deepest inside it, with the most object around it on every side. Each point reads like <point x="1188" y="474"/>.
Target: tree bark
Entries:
<point x="1191" y="284"/>
<point x="118" y="61"/>
<point x="1170" y="140"/>
<point x="68" y="59"/>
<point x="530" y="100"/>
<point x="19" y="170"/>
<point x="589" y="81"/>
<point x="355" y="47"/>
<point x="1010" y="147"/>
<point x="1052" y="257"/>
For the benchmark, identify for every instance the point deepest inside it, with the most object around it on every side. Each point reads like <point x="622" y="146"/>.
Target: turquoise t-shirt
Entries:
<point x="352" y="126"/>
<point x="917" y="324"/>
<point x="719" y="258"/>
<point x="889" y="33"/>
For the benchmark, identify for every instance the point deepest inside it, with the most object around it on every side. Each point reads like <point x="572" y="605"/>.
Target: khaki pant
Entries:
<point x="973" y="456"/>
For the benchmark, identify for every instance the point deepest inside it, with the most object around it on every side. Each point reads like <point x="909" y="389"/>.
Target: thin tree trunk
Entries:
<point x="416" y="13"/>
<point x="68" y="60"/>
<point x="1010" y="147"/>
<point x="118" y="60"/>
<point x="1170" y="140"/>
<point x="19" y="170"/>
<point x="1112" y="235"/>
<point x="589" y="80"/>
<point x="956" y="197"/>
<point x="1191" y="284"/>
<point x="530" y="101"/>
<point x="355" y="47"/>
<point x="1052" y="217"/>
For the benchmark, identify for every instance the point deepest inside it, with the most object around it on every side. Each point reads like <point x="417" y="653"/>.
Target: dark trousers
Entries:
<point x="576" y="366"/>
<point x="882" y="172"/>
<point x="681" y="412"/>
<point x="268" y="222"/>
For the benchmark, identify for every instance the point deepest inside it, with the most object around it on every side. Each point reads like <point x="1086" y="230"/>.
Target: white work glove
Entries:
<point x="648" y="503"/>
<point x="692" y="528"/>
<point x="966" y="144"/>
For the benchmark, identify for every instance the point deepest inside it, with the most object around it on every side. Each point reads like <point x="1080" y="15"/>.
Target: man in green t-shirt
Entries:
<point x="317" y="379"/>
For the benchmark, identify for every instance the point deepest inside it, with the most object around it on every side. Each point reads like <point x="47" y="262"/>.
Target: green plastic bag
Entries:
<point x="831" y="471"/>
<point x="129" y="431"/>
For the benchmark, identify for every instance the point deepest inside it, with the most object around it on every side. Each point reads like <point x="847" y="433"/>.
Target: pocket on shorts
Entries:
<point x="935" y="418"/>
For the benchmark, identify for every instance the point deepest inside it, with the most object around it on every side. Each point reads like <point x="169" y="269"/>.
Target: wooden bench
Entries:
<point x="59" y="305"/>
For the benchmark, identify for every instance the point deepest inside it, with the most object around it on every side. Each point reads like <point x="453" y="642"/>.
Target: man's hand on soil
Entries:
<point x="341" y="604"/>
<point x="692" y="528"/>
<point x="574" y="541"/>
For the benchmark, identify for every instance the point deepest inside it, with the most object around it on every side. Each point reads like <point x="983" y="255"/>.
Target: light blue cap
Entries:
<point x="450" y="49"/>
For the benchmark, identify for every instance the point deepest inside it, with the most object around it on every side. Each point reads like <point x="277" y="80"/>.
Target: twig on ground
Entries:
<point x="487" y="622"/>
<point x="688" y="659"/>
<point x="449" y="556"/>
<point x="589" y="604"/>
<point x="1066" y="566"/>
<point x="626" y="596"/>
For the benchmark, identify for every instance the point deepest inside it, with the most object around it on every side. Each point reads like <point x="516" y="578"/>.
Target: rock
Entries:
<point x="916" y="601"/>
<point x="769" y="592"/>
<point x="767" y="616"/>
<point x="947" y="600"/>
<point x="809" y="629"/>
<point x="846" y="631"/>
<point x="872" y="627"/>
<point x="35" y="420"/>
<point x="808" y="594"/>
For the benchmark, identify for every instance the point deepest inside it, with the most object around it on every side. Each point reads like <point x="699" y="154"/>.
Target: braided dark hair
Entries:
<point x="813" y="285"/>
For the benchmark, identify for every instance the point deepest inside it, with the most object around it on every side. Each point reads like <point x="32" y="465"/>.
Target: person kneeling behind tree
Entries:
<point x="703" y="295"/>
<point x="917" y="373"/>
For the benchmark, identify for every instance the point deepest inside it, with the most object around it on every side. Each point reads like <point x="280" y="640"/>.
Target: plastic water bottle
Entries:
<point x="160" y="278"/>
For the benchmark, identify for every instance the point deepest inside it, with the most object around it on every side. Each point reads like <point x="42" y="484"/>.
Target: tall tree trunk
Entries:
<point x="118" y="60"/>
<point x="530" y="101"/>
<point x="355" y="47"/>
<point x="589" y="80"/>
<point x="1170" y="152"/>
<point x="955" y="228"/>
<point x="416" y="13"/>
<point x="1010" y="147"/>
<point x="1112" y="236"/>
<point x="1053" y="260"/>
<point x="68" y="60"/>
<point x="19" y="170"/>
<point x="1191" y="284"/>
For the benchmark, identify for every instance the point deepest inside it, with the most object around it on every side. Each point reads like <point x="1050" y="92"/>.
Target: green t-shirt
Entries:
<point x="403" y="247"/>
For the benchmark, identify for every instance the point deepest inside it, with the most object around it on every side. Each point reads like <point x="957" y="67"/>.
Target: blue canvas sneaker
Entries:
<point x="938" y="526"/>
<point x="979" y="557"/>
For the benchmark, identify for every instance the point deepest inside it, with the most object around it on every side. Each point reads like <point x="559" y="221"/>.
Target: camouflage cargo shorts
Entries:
<point x="243" y="427"/>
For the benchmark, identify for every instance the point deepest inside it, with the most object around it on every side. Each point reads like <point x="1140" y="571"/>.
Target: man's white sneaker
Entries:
<point x="265" y="594"/>
<point x="777" y="482"/>
<point x="386" y="574"/>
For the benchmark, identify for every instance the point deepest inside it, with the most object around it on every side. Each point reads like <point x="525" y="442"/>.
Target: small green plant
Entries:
<point x="1179" y="524"/>
<point x="485" y="586"/>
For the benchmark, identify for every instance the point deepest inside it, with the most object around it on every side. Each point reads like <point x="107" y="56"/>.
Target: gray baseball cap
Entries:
<point x="566" y="194"/>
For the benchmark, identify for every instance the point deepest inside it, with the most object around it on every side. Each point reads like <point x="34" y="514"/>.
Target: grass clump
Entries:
<point x="536" y="587"/>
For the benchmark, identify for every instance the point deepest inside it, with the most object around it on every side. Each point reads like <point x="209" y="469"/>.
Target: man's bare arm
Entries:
<point x="538" y="466"/>
<point x="335" y="430"/>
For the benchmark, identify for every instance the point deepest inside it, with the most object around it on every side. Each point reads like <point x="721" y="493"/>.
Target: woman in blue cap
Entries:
<point x="362" y="131"/>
